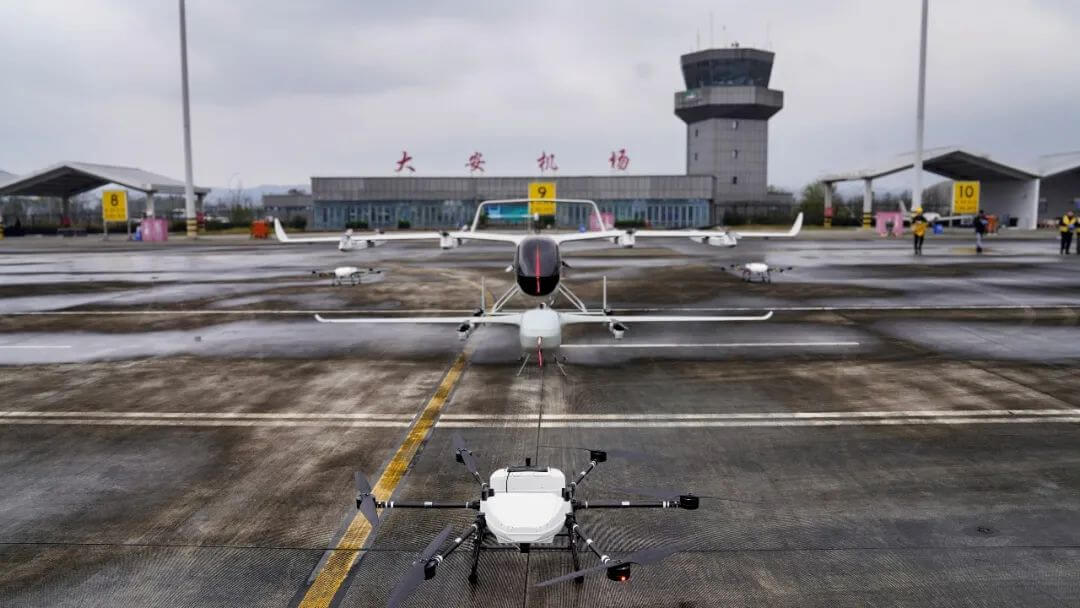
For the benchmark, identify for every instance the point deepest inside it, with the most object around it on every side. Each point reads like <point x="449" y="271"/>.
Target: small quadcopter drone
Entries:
<point x="759" y="270"/>
<point x="341" y="274"/>
<point x="527" y="506"/>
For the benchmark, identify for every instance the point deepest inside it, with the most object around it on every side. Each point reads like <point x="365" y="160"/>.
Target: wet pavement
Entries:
<point x="177" y="430"/>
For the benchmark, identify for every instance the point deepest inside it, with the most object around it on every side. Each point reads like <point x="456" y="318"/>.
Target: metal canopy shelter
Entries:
<point x="1014" y="189"/>
<point x="953" y="163"/>
<point x="67" y="179"/>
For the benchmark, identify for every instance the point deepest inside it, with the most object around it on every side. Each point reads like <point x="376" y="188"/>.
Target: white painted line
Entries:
<point x="207" y="423"/>
<point x="415" y="311"/>
<point x="552" y="424"/>
<point x="241" y="311"/>
<point x="209" y="415"/>
<point x="857" y="308"/>
<point x="715" y="345"/>
<point x="772" y="415"/>
<point x="34" y="346"/>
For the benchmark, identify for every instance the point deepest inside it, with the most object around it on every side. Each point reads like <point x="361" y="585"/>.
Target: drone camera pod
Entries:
<point x="463" y="332"/>
<point x="617" y="330"/>
<point x="446" y="241"/>
<point x="429" y="569"/>
<point x="619" y="573"/>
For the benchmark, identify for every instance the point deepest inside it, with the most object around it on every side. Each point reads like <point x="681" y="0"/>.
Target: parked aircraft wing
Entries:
<point x="500" y="319"/>
<point x="573" y="317"/>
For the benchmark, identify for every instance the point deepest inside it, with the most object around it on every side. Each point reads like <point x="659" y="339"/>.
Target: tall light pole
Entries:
<point x="189" y="186"/>
<point x="920" y="111"/>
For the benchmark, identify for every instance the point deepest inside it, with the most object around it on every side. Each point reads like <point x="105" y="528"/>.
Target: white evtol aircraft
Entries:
<point x="930" y="216"/>
<point x="537" y="261"/>
<point x="540" y="328"/>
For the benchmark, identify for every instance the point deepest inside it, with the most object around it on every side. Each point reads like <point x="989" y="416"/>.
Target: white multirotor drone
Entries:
<point x="758" y="270"/>
<point x="527" y="508"/>
<point x="342" y="274"/>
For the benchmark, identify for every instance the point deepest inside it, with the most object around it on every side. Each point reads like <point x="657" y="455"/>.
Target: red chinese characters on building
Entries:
<point x="546" y="162"/>
<point x="404" y="163"/>
<point x="619" y="160"/>
<point x="476" y="163"/>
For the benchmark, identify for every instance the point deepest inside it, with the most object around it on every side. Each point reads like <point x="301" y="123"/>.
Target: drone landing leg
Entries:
<point x="571" y="535"/>
<point x="478" y="545"/>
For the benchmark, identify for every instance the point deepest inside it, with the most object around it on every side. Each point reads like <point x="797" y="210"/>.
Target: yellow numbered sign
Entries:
<point x="965" y="198"/>
<point x="542" y="198"/>
<point x="114" y="205"/>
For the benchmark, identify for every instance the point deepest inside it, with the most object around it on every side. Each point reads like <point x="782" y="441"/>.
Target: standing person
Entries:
<point x="1066" y="225"/>
<point x="982" y="223"/>
<point x="918" y="228"/>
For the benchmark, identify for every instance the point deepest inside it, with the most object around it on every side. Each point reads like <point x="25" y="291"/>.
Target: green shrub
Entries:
<point x="298" y="222"/>
<point x="404" y="224"/>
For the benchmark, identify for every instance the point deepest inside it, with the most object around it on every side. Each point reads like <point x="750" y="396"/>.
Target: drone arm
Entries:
<point x="583" y="474"/>
<point x="579" y="531"/>
<point x="473" y="529"/>
<point x="427" y="504"/>
<point x="625" y="504"/>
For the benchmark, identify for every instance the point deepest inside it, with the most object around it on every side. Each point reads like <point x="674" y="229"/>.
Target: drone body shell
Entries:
<point x="528" y="505"/>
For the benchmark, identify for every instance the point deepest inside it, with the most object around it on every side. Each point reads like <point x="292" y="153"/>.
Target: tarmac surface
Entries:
<point x="176" y="429"/>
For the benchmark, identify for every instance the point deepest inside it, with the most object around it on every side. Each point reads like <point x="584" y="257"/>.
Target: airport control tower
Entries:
<point x="726" y="107"/>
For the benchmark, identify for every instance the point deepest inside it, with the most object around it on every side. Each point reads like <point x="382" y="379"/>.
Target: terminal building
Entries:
<point x="726" y="106"/>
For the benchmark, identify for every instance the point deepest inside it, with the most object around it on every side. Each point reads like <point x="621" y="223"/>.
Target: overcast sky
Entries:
<point x="282" y="91"/>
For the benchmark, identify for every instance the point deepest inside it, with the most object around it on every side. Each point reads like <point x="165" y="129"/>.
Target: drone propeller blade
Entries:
<point x="643" y="557"/>
<point x="464" y="455"/>
<point x="365" y="500"/>
<point x="603" y="453"/>
<point x="416" y="573"/>
<point x="673" y="496"/>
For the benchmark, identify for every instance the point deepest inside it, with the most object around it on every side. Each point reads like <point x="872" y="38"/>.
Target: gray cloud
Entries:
<point x="286" y="90"/>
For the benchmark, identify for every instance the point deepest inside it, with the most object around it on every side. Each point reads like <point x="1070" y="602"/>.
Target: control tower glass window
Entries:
<point x="727" y="72"/>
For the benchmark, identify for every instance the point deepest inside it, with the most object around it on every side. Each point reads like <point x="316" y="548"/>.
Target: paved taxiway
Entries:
<point x="901" y="434"/>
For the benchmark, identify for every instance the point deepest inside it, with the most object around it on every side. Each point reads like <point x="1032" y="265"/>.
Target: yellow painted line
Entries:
<point x="348" y="549"/>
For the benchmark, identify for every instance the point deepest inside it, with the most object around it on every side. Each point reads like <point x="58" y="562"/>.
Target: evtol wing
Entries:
<point x="723" y="237"/>
<point x="587" y="236"/>
<point x="281" y="235"/>
<point x="501" y="319"/>
<point x="447" y="240"/>
<point x="573" y="317"/>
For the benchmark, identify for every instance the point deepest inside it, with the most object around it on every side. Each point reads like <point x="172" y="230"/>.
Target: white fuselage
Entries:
<point x="528" y="505"/>
<point x="344" y="272"/>
<point x="540" y="328"/>
<point x="756" y="270"/>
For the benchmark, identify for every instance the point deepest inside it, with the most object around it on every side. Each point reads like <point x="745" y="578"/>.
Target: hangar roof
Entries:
<point x="71" y="178"/>
<point x="953" y="163"/>
<point x="1056" y="164"/>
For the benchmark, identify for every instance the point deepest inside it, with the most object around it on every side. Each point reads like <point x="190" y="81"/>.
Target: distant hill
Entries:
<point x="254" y="194"/>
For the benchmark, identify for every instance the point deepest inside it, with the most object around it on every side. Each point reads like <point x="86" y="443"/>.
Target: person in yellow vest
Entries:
<point x="1076" y="233"/>
<point x="1067" y="225"/>
<point x="918" y="228"/>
